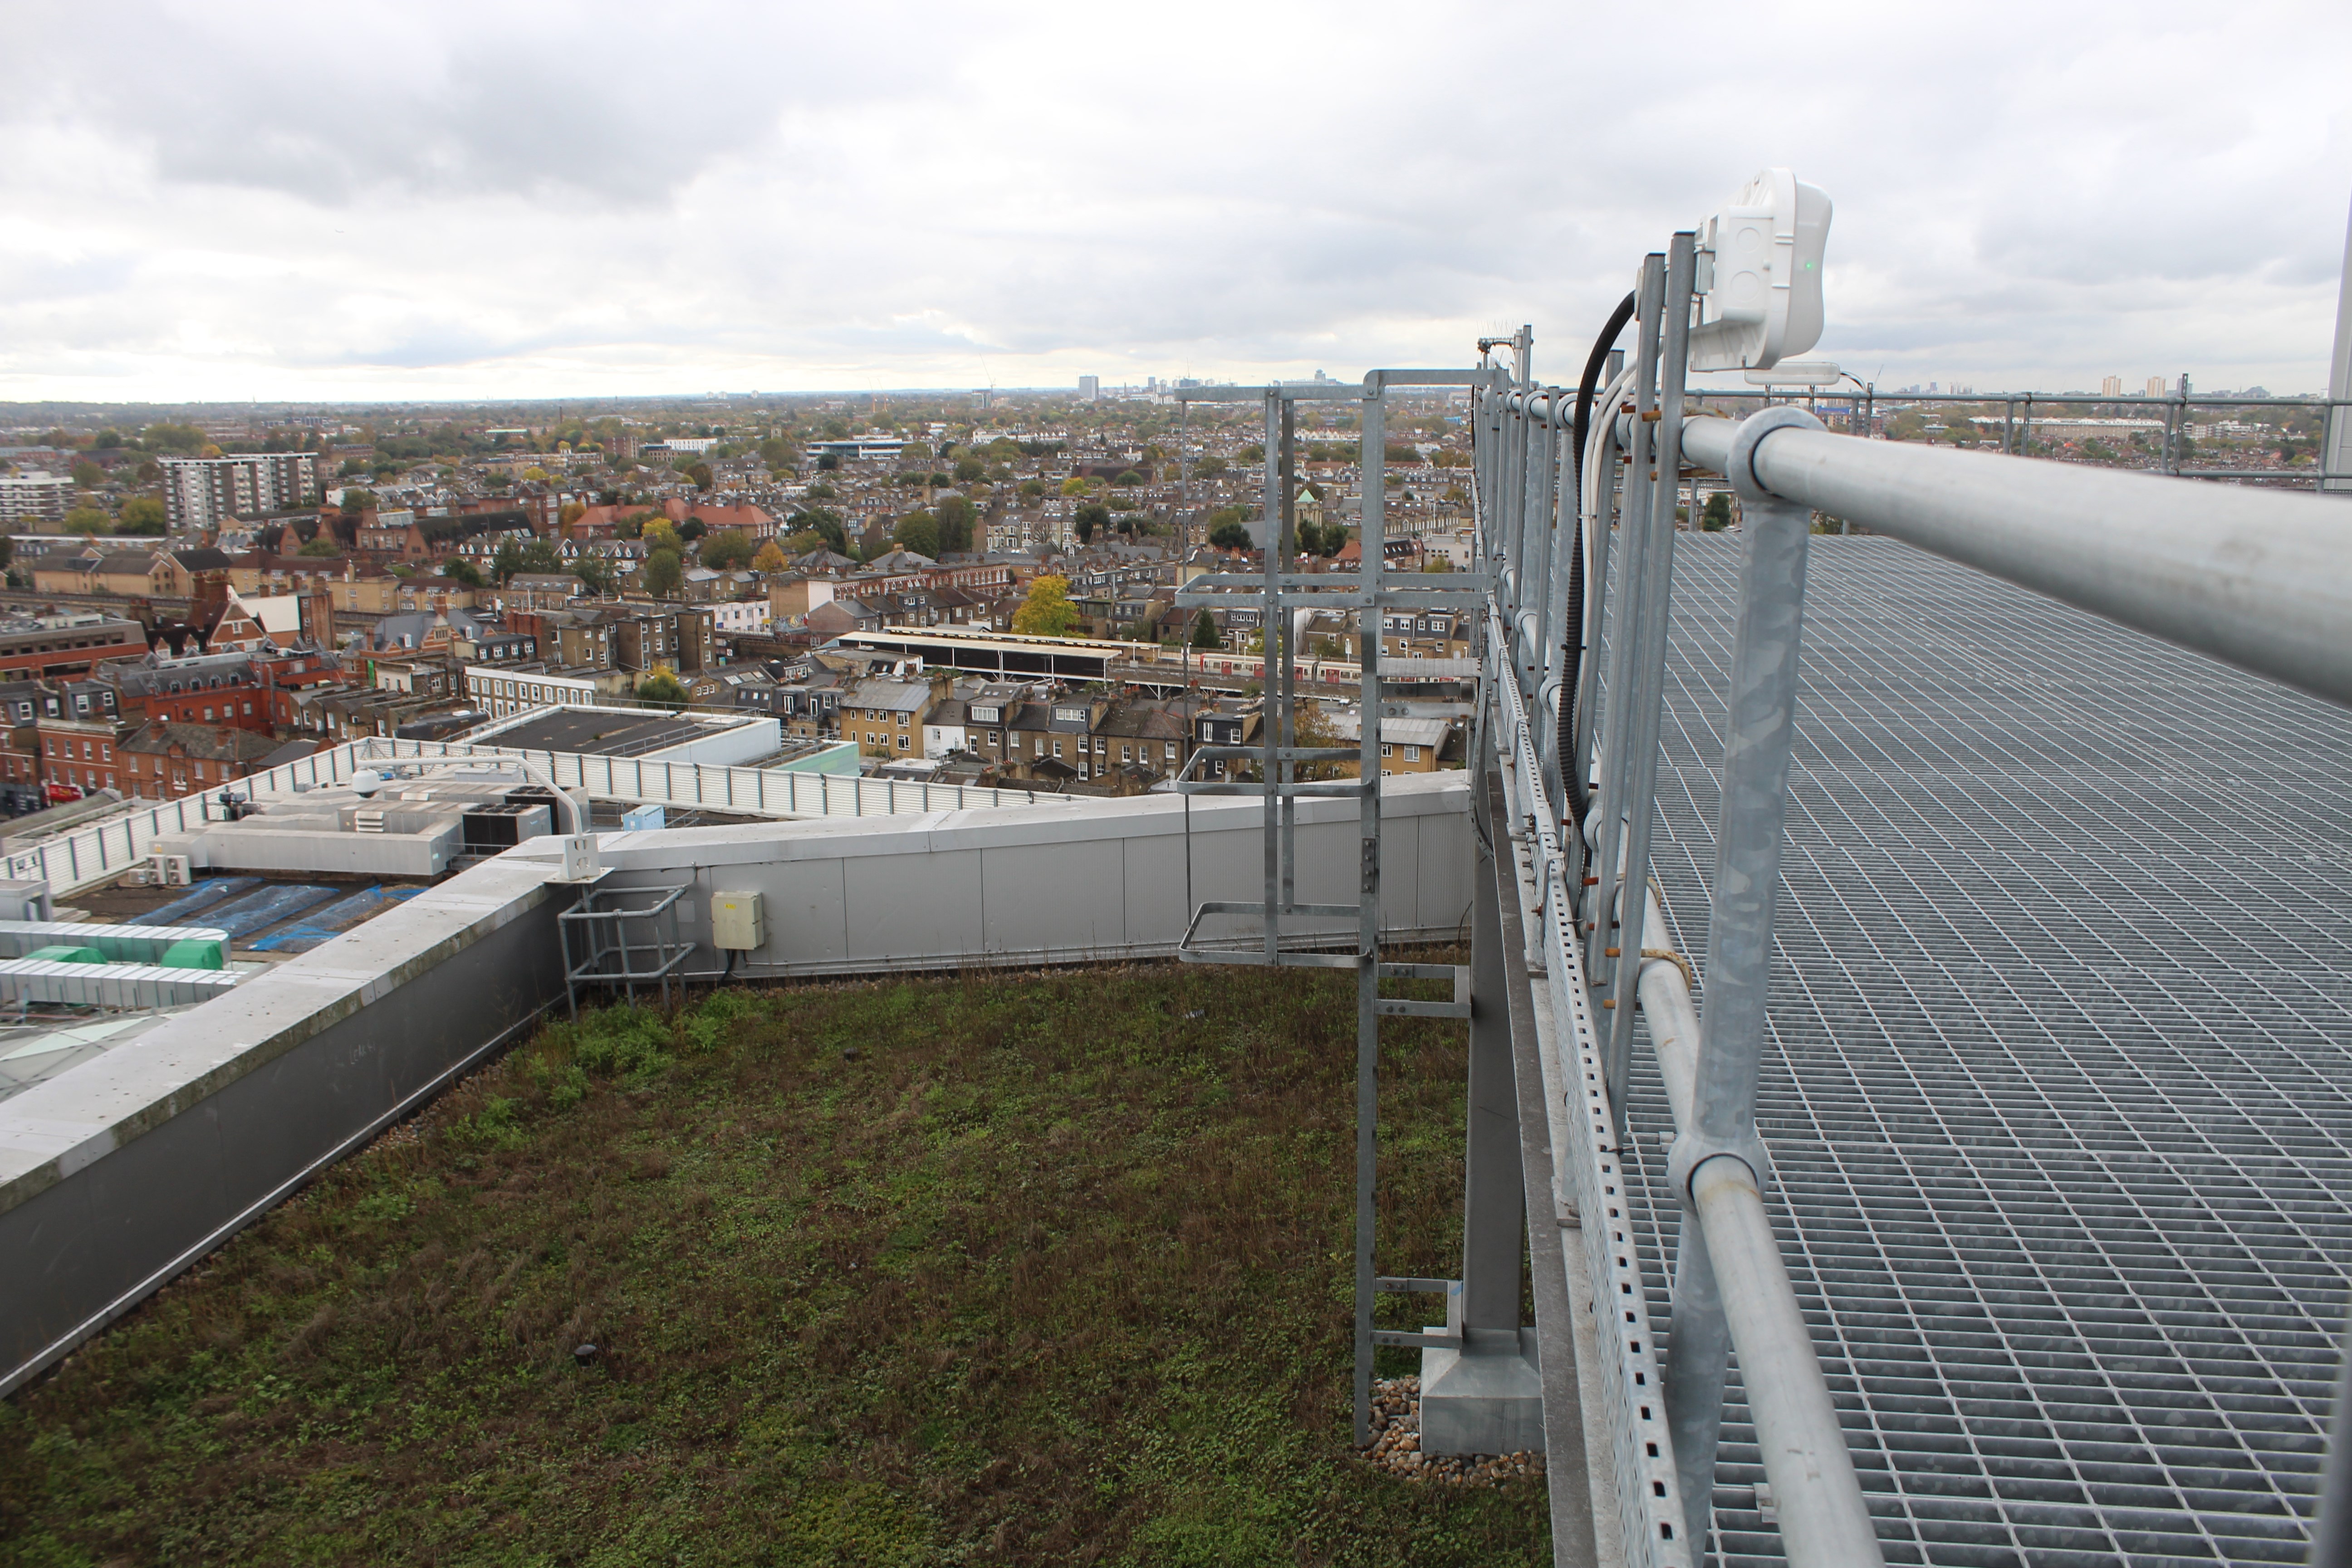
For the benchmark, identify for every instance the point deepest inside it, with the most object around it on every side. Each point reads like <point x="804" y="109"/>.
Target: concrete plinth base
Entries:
<point x="1484" y="1398"/>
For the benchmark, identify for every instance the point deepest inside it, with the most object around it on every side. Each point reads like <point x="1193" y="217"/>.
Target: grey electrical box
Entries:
<point x="736" y="922"/>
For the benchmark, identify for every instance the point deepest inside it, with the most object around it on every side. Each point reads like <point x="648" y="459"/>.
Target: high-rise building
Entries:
<point x="2156" y="386"/>
<point x="34" y="497"/>
<point x="1090" y="388"/>
<point x="2113" y="386"/>
<point x="201" y="492"/>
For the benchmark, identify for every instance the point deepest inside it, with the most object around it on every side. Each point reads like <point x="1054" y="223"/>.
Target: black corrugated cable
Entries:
<point x="1572" y="650"/>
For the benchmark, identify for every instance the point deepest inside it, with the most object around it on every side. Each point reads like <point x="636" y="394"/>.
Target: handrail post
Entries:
<point x="1639" y="771"/>
<point x="1739" y="1296"/>
<point x="1618" y="705"/>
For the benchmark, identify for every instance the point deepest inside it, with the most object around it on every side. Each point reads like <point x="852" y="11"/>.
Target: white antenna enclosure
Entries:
<point x="1759" y="275"/>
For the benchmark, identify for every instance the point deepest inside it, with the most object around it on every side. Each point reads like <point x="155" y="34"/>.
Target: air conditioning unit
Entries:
<point x="139" y="877"/>
<point x="170" y="871"/>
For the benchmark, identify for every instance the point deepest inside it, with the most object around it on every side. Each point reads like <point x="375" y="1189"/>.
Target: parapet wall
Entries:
<point x="120" y="1174"/>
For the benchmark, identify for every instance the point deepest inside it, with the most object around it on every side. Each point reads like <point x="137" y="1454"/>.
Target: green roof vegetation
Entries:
<point x="1038" y="1269"/>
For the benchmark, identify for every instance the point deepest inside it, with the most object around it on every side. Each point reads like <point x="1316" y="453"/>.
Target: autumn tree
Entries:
<point x="1047" y="611"/>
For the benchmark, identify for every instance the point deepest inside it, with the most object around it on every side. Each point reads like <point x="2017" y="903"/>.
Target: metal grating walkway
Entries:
<point x="2065" y="983"/>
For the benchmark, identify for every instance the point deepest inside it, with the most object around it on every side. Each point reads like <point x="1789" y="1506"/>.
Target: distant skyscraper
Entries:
<point x="1090" y="388"/>
<point x="2156" y="386"/>
<point x="2113" y="386"/>
<point x="200" y="492"/>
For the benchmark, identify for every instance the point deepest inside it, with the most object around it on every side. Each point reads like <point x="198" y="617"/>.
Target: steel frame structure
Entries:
<point x="1492" y="1236"/>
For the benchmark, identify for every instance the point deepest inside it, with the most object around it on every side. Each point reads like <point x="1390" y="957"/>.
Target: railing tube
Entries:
<point x="2254" y="578"/>
<point x="1824" y="1521"/>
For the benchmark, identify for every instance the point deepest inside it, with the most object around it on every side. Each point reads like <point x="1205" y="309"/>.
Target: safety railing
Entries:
<point x="1575" y="504"/>
<point x="98" y="851"/>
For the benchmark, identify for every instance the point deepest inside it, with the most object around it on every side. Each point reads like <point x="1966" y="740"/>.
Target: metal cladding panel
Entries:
<point x="1151" y="876"/>
<point x="54" y="1272"/>
<point x="808" y="909"/>
<point x="149" y="1201"/>
<point x="2059" y="1083"/>
<point x="1441" y="874"/>
<point x="1072" y="898"/>
<point x="915" y="906"/>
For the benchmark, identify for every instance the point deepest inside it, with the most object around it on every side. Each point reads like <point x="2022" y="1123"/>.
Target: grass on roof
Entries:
<point x="1038" y="1269"/>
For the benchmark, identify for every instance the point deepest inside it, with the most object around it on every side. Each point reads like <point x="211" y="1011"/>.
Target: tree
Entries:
<point x="320" y="547"/>
<point x="462" y="571"/>
<point x="180" y="439"/>
<point x="659" y="534"/>
<point x="968" y="470"/>
<point x="1398" y="452"/>
<point x="532" y="556"/>
<point x="728" y="551"/>
<point x="141" y="515"/>
<point x="824" y="521"/>
<point x="572" y="513"/>
<point x="769" y="559"/>
<point x="595" y="571"/>
<point x="661" y="690"/>
<point x="664" y="570"/>
<point x="1047" y="612"/>
<point x="357" y="500"/>
<point x="692" y="528"/>
<point x="1208" y="468"/>
<point x="1129" y="478"/>
<point x="1230" y="535"/>
<point x="918" y="532"/>
<point x="1204" y="630"/>
<point x="87" y="474"/>
<point x="701" y="475"/>
<point x="1032" y="489"/>
<point x="1091" y="517"/>
<point x="1717" y="515"/>
<point x="956" y="515"/>
<point x="87" y="520"/>
<point x="1074" y="486"/>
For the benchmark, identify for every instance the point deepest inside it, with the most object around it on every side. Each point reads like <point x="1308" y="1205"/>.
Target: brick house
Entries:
<point x="164" y="761"/>
<point x="80" y="752"/>
<point x="886" y="717"/>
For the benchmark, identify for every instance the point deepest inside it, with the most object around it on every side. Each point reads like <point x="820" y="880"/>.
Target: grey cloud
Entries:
<point x="901" y="194"/>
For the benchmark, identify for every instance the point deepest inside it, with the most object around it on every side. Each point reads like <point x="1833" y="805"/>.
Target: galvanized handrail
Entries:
<point x="2255" y="578"/>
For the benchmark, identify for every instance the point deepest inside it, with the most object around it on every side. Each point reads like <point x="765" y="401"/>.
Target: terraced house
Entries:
<point x="884" y="716"/>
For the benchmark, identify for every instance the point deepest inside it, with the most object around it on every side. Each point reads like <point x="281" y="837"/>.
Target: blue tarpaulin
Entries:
<point x="268" y="907"/>
<point x="203" y="896"/>
<point x="336" y="918"/>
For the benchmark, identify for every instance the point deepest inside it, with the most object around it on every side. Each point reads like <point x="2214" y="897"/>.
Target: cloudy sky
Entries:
<point x="429" y="200"/>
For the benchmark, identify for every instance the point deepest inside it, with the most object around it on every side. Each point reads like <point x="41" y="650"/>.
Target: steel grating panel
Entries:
<point x="2058" y="1093"/>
